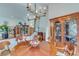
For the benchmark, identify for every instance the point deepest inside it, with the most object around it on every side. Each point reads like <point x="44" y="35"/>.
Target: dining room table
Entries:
<point x="25" y="49"/>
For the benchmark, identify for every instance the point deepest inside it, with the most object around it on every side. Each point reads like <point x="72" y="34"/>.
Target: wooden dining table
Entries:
<point x="23" y="49"/>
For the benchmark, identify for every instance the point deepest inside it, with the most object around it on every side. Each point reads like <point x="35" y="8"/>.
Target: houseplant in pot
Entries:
<point x="5" y="31"/>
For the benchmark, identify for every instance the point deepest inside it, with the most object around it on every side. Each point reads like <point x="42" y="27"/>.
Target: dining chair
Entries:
<point x="5" y="48"/>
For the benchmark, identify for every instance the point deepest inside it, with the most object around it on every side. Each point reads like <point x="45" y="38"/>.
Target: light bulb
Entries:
<point x="44" y="8"/>
<point x="36" y="11"/>
<point x="27" y="14"/>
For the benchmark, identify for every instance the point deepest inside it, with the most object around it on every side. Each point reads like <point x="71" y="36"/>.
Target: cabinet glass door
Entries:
<point x="71" y="30"/>
<point x="58" y="31"/>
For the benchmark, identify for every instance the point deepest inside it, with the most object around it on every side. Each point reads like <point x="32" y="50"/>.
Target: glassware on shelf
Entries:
<point x="71" y="30"/>
<point x="58" y="31"/>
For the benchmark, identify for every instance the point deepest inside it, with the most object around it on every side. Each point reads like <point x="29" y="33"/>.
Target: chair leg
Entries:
<point x="8" y="49"/>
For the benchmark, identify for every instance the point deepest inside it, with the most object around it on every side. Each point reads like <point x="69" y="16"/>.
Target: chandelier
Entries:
<point x="35" y="12"/>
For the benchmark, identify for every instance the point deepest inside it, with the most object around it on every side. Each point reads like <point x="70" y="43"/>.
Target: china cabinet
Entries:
<point x="65" y="28"/>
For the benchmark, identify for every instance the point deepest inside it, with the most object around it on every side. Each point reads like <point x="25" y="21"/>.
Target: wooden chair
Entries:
<point x="1" y="48"/>
<point x="4" y="47"/>
<point x="69" y="49"/>
<point x="41" y="36"/>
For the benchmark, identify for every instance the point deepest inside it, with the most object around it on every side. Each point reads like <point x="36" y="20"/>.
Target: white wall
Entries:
<point x="59" y="9"/>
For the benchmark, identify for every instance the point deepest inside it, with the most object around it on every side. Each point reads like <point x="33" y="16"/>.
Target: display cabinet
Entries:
<point x="65" y="28"/>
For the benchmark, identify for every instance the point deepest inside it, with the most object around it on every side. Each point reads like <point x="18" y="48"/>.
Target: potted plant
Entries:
<point x="5" y="31"/>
